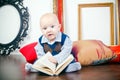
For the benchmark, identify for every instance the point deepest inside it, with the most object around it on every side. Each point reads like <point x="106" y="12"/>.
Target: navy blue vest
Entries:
<point x="54" y="48"/>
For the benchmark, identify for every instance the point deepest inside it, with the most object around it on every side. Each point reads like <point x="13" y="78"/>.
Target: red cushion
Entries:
<point x="28" y="52"/>
<point x="116" y="50"/>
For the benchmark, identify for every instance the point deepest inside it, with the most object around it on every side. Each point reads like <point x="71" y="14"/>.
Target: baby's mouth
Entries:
<point x="50" y="34"/>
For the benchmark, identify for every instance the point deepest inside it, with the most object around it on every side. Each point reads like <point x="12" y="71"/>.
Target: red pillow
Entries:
<point x="116" y="50"/>
<point x="28" y="52"/>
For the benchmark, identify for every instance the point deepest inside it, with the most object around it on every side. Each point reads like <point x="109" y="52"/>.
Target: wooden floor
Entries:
<point x="12" y="68"/>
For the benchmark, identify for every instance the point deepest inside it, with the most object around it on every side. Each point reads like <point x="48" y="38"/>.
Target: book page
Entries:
<point x="44" y="69"/>
<point x="44" y="63"/>
<point x="64" y="64"/>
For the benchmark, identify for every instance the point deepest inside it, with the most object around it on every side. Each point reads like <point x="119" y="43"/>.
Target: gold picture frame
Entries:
<point x="118" y="20"/>
<point x="55" y="6"/>
<point x="84" y="9"/>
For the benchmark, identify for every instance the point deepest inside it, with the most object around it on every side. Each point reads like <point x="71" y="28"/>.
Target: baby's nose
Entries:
<point x="48" y="29"/>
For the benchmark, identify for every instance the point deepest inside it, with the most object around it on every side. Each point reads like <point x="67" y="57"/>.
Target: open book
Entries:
<point x="47" y="67"/>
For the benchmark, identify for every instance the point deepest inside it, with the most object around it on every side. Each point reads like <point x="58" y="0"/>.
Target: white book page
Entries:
<point x="45" y="62"/>
<point x="69" y="59"/>
<point x="61" y="66"/>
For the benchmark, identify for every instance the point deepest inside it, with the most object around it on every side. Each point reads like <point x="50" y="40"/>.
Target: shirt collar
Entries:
<point x="57" y="39"/>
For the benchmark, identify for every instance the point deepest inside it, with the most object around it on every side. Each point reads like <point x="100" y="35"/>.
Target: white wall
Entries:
<point x="39" y="7"/>
<point x="36" y="9"/>
<point x="71" y="16"/>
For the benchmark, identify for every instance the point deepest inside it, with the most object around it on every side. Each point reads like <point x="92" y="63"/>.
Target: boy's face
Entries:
<point x="50" y="27"/>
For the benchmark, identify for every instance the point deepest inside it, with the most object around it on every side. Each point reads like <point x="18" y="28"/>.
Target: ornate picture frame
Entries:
<point x="7" y="48"/>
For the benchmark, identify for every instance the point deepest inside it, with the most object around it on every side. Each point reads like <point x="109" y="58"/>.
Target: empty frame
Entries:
<point x="96" y="21"/>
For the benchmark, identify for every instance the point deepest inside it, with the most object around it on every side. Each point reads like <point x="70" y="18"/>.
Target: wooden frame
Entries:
<point x="55" y="6"/>
<point x="96" y="6"/>
<point x="58" y="10"/>
<point x="118" y="20"/>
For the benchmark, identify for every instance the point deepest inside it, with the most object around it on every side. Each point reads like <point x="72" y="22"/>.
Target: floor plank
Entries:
<point x="12" y="68"/>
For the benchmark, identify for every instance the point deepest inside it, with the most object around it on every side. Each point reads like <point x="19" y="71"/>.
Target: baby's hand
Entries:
<point x="52" y="59"/>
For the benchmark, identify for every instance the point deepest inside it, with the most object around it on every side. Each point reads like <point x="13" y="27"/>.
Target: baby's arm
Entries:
<point x="53" y="60"/>
<point x="65" y="51"/>
<point x="40" y="53"/>
<point x="39" y="50"/>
